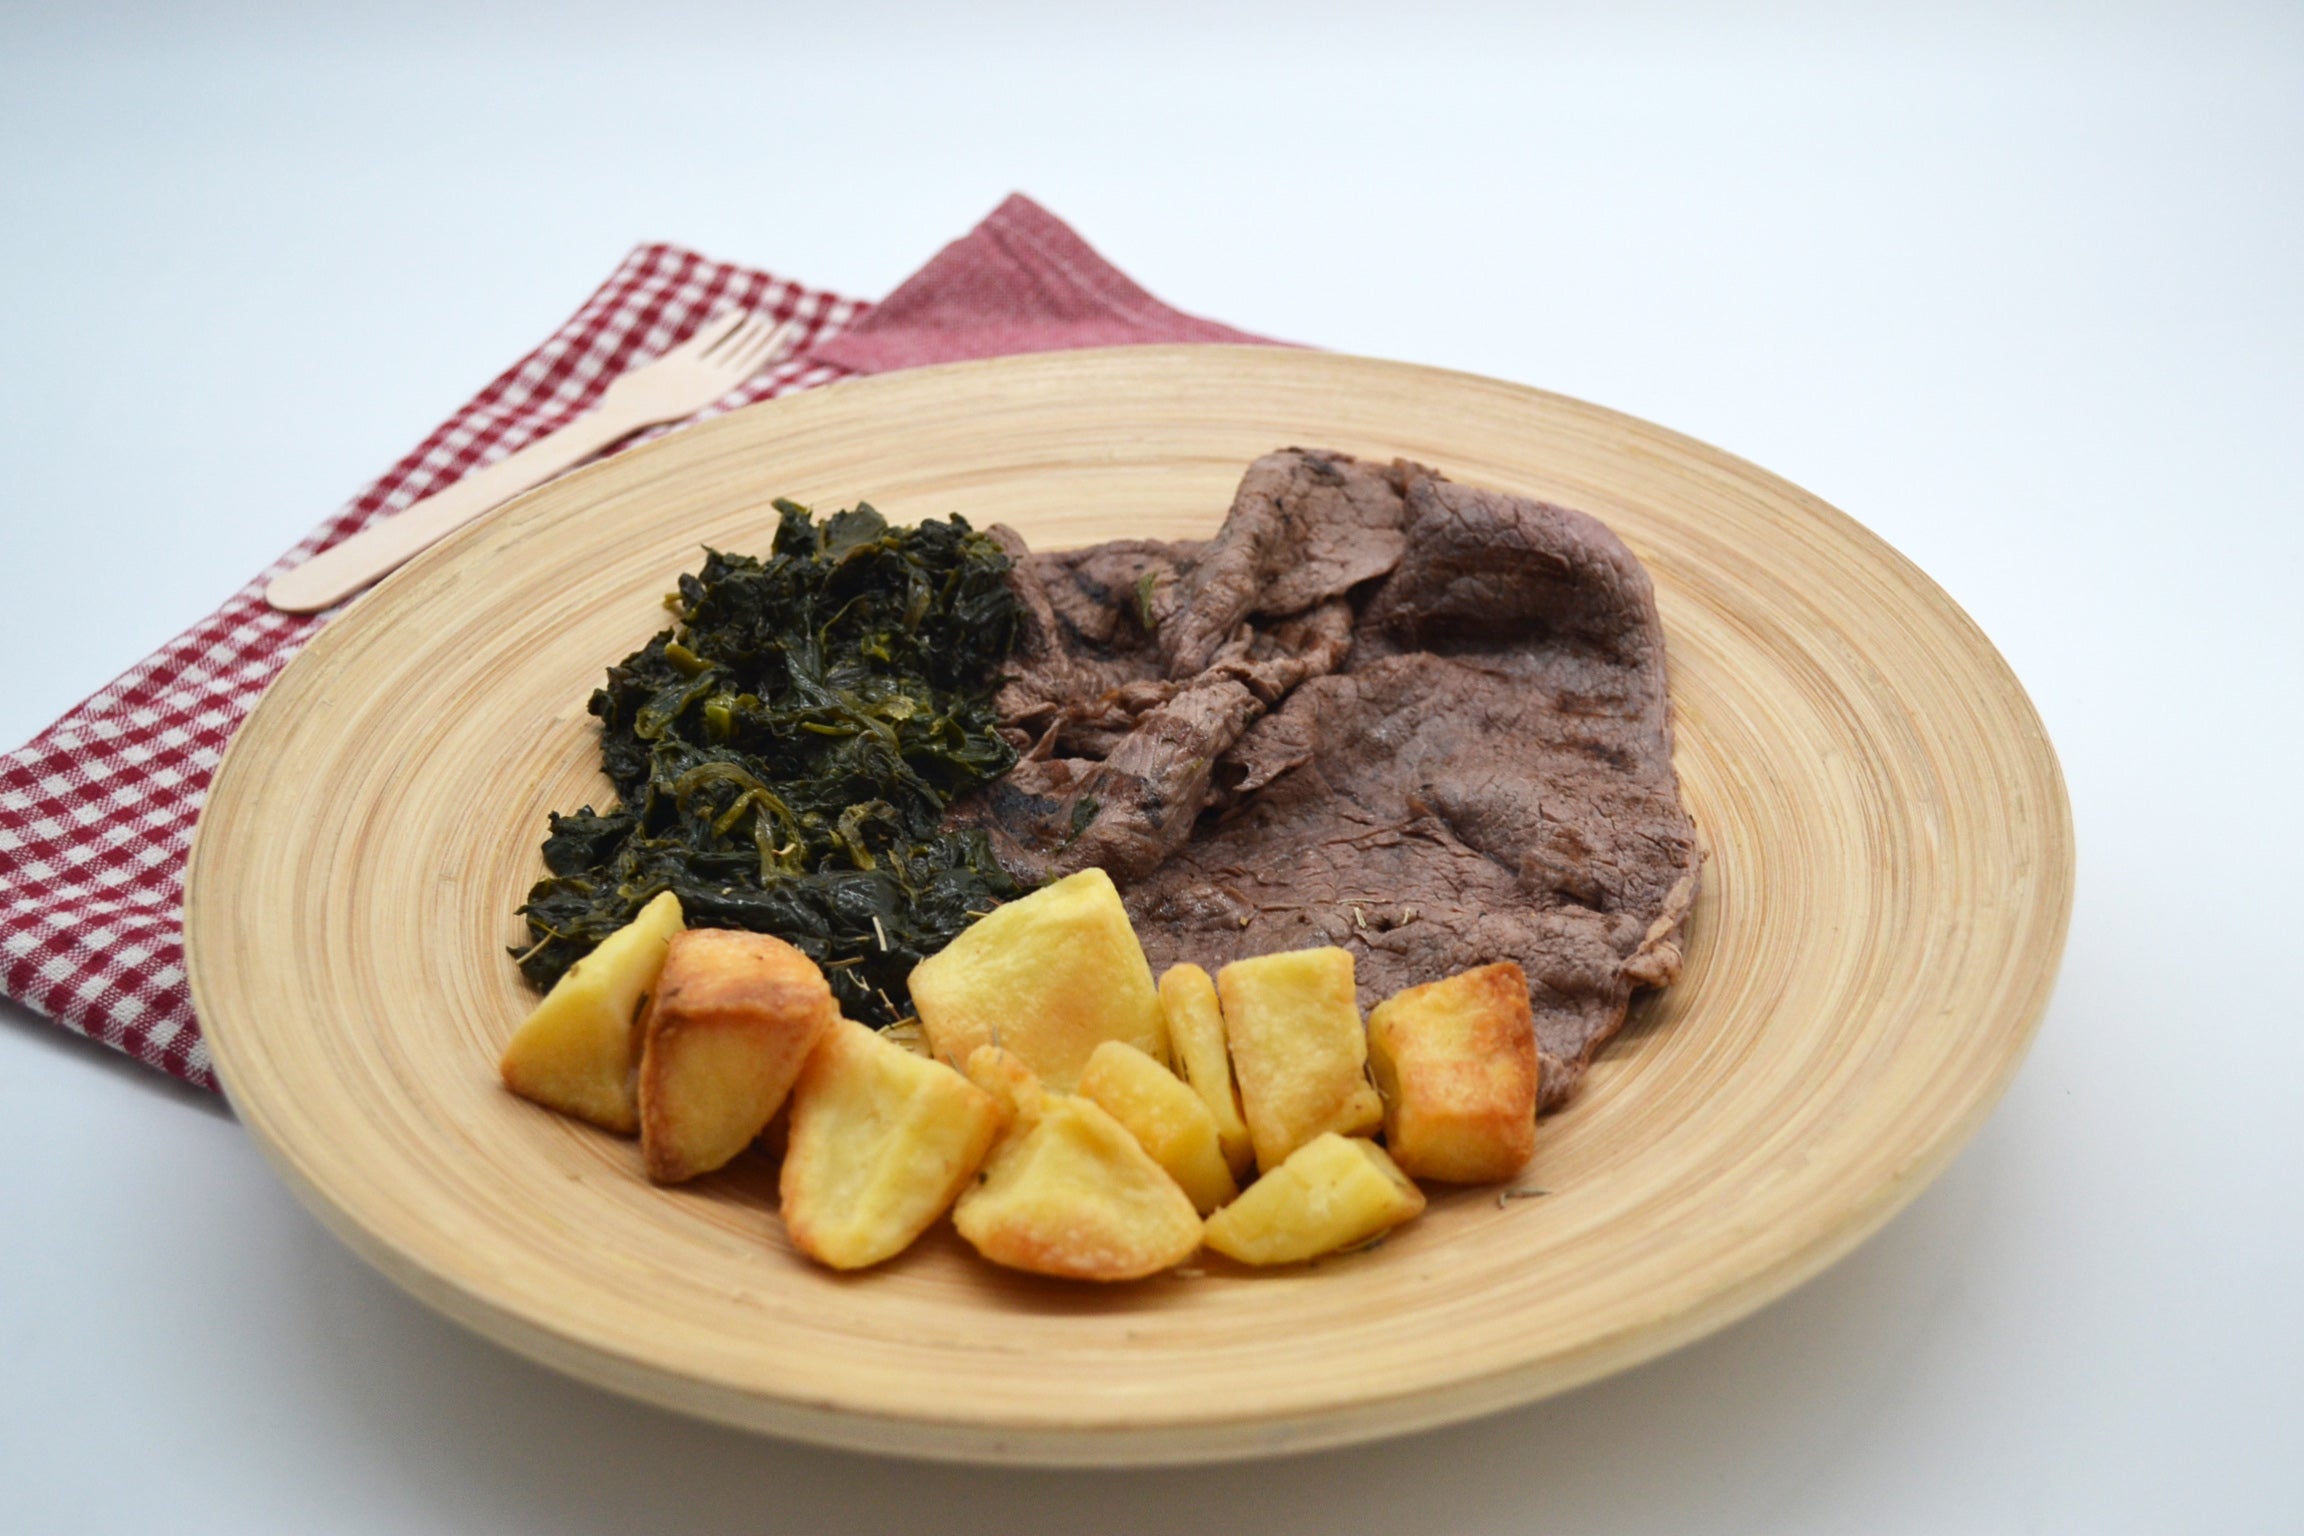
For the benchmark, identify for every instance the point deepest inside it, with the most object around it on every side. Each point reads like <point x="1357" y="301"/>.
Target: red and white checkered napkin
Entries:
<point x="96" y="813"/>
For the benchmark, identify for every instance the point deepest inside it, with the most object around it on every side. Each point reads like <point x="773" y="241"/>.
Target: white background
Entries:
<point x="2016" y="286"/>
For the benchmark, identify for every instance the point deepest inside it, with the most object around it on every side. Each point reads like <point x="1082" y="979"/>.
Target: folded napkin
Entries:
<point x="96" y="813"/>
<point x="1021" y="281"/>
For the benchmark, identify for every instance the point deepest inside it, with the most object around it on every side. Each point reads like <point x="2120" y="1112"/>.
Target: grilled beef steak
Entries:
<point x="1379" y="709"/>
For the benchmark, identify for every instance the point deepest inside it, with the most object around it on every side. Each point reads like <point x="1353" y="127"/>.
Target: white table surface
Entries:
<point x="2017" y="287"/>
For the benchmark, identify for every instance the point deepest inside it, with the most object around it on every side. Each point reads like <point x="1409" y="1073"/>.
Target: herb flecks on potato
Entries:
<point x="578" y="1051"/>
<point x="784" y="754"/>
<point x="1333" y="1192"/>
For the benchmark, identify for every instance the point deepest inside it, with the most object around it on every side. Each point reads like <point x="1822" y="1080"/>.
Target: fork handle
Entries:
<point x="336" y="573"/>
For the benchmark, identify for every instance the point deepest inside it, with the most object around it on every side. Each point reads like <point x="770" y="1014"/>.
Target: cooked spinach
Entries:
<point x="784" y="754"/>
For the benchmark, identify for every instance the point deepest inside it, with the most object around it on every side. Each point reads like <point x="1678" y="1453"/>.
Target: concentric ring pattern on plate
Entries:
<point x="1879" y="928"/>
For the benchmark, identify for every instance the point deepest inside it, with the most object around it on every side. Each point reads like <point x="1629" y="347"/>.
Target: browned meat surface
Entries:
<point x="1380" y="709"/>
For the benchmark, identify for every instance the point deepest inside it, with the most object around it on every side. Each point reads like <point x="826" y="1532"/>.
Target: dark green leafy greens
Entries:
<point x="783" y="756"/>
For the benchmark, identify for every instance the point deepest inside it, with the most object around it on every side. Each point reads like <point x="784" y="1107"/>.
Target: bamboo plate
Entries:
<point x="1879" y="927"/>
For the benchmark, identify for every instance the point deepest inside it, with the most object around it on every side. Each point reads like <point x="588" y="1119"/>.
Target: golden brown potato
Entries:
<point x="1298" y="1049"/>
<point x="1050" y="976"/>
<point x="1013" y="1086"/>
<point x="1068" y="1192"/>
<point x="1455" y="1061"/>
<point x="577" y="1051"/>
<point x="734" y="1017"/>
<point x="1333" y="1192"/>
<point x="1196" y="1035"/>
<point x="881" y="1141"/>
<point x="1166" y="1118"/>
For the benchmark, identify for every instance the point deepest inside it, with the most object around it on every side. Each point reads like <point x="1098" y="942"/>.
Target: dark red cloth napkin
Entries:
<point x="1021" y="281"/>
<point x="96" y="813"/>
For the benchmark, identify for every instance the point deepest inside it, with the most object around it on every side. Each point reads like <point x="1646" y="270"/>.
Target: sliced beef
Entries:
<point x="1442" y="814"/>
<point x="1418" y="719"/>
<point x="1085" y="664"/>
<point x="1304" y="527"/>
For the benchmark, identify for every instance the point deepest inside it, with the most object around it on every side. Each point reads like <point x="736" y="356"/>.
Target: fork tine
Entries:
<point x="728" y="345"/>
<point x="779" y="343"/>
<point x="720" y="344"/>
<point x="754" y="352"/>
<point x="710" y="334"/>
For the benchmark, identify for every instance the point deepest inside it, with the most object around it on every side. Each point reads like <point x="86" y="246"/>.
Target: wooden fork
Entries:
<point x="728" y="350"/>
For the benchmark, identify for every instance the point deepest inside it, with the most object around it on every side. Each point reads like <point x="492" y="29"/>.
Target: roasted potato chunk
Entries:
<point x="1013" y="1086"/>
<point x="881" y="1141"/>
<point x="1166" y="1118"/>
<point x="734" y="1017"/>
<point x="1455" y="1062"/>
<point x="1332" y="1192"/>
<point x="576" y="1052"/>
<point x="1196" y="1035"/>
<point x="1298" y="1049"/>
<point x="1050" y="976"/>
<point x="1068" y="1192"/>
